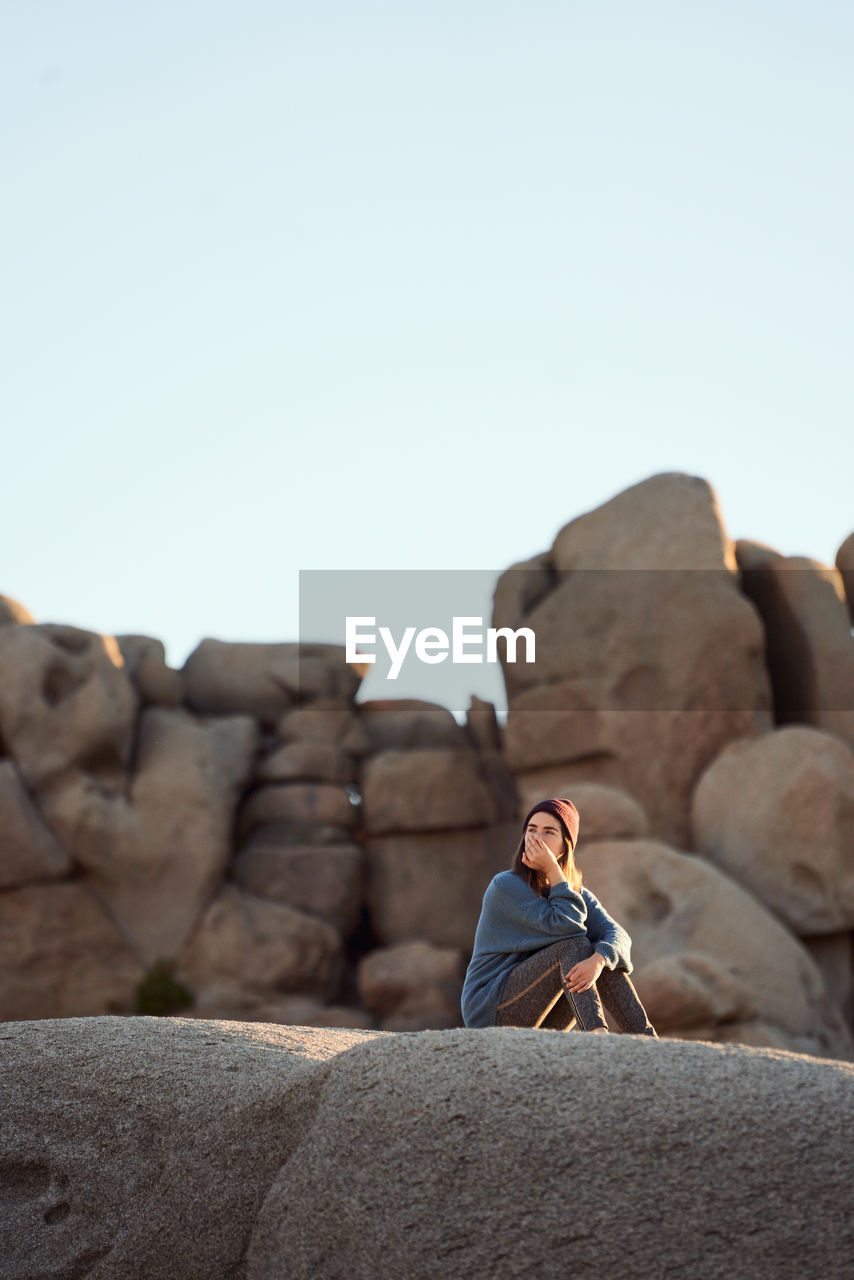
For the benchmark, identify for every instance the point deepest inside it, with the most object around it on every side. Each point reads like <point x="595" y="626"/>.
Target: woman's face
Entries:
<point x="548" y="829"/>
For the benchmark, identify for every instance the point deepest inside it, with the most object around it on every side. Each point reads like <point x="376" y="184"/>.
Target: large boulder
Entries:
<point x="156" y="857"/>
<point x="306" y="759"/>
<point x="606" y="813"/>
<point x="264" y="680"/>
<point x="158" y="685"/>
<point x="66" y="701"/>
<point x="810" y="649"/>
<point x="465" y="1153"/>
<point x="325" y="880"/>
<point x="60" y="956"/>
<point x="430" y="886"/>
<point x="777" y="814"/>
<point x="245" y="943"/>
<point x="425" y="789"/>
<point x="324" y="720"/>
<point x="321" y="804"/>
<point x="412" y="986"/>
<point x="671" y="521"/>
<point x="144" y="1147"/>
<point x="707" y="954"/>
<point x="648" y="657"/>
<point x="28" y="848"/>
<point x="153" y="1147"/>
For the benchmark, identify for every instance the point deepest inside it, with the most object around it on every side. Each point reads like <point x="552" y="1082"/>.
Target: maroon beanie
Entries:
<point x="564" y="810"/>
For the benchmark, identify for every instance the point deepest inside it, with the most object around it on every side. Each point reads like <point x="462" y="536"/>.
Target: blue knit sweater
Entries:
<point x="515" y="922"/>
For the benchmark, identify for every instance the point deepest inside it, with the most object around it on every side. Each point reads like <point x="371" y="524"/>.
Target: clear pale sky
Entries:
<point x="358" y="286"/>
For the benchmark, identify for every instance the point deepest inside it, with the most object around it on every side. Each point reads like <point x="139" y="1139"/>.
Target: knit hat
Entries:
<point x="564" y="810"/>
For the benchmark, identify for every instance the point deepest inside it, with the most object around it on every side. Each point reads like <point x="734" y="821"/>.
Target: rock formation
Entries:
<point x="244" y="839"/>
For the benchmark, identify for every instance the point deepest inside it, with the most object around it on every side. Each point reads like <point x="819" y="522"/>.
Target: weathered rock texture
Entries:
<point x="439" y="1125"/>
<point x="211" y="1150"/>
<point x="134" y="1147"/>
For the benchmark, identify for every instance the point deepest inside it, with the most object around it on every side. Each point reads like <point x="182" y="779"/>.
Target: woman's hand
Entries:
<point x="538" y="856"/>
<point x="582" y="975"/>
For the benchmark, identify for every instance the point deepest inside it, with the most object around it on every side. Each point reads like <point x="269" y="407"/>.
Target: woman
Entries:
<point x="542" y="936"/>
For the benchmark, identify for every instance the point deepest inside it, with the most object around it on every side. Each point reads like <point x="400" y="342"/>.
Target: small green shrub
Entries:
<point x="159" y="994"/>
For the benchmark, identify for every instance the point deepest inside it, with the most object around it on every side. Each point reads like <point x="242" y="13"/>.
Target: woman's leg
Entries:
<point x="532" y="990"/>
<point x="623" y="1003"/>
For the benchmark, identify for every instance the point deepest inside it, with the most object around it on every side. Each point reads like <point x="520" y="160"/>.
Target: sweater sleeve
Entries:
<point x="609" y="938"/>
<point x="560" y="915"/>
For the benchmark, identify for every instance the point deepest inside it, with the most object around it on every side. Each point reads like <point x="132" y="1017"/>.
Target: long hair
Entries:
<point x="566" y="862"/>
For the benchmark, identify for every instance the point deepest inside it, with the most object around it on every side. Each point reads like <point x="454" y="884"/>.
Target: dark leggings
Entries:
<point x="531" y="995"/>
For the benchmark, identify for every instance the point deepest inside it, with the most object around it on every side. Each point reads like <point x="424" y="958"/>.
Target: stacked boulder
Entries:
<point x="436" y="802"/>
<point x="199" y="836"/>
<point x="649" y="659"/>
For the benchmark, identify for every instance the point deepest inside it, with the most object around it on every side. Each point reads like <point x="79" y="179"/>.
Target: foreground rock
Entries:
<point x="170" y="1148"/>
<point x="143" y="1147"/>
<point x="467" y="1153"/>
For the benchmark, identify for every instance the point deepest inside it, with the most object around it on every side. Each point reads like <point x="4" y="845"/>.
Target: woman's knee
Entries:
<point x="578" y="947"/>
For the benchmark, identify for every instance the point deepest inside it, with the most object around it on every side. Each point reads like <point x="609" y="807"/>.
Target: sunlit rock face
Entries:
<point x="709" y="958"/>
<point x="777" y="814"/>
<point x="162" y="1147"/>
<point x="66" y="701"/>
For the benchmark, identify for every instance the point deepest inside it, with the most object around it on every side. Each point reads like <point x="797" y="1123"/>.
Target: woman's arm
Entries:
<point x="521" y="911"/>
<point x="608" y="937"/>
